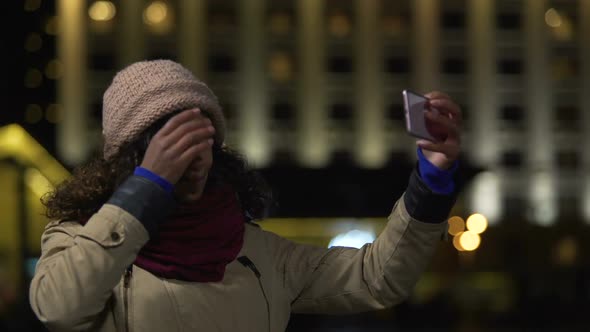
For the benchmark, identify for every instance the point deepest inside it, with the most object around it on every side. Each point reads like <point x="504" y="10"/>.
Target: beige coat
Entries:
<point x="83" y="281"/>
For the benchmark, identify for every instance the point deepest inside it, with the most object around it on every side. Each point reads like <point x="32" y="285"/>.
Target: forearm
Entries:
<point x="396" y="260"/>
<point x="381" y="274"/>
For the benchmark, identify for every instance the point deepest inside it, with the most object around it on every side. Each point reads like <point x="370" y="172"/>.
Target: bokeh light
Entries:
<point x="51" y="27"/>
<point x="566" y="251"/>
<point x="394" y="26"/>
<point x="33" y="78"/>
<point x="32" y="5"/>
<point x="477" y="223"/>
<point x="280" y="67"/>
<point x="33" y="113"/>
<point x="280" y="23"/>
<point x="54" y="69"/>
<point x="102" y="11"/>
<point x="456" y="242"/>
<point x="456" y="225"/>
<point x="33" y="43"/>
<point x="552" y="18"/>
<point x="339" y="25"/>
<point x="469" y="240"/>
<point x="155" y="13"/>
<point x="53" y="113"/>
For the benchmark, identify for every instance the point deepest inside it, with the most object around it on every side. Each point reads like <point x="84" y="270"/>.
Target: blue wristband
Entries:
<point x="146" y="173"/>
<point x="438" y="180"/>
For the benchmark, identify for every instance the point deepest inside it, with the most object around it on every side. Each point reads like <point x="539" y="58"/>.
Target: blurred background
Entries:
<point x="312" y="93"/>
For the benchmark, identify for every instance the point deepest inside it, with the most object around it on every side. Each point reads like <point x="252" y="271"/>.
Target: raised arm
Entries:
<point x="379" y="275"/>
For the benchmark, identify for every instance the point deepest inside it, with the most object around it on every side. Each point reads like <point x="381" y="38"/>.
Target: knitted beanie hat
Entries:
<point x="146" y="91"/>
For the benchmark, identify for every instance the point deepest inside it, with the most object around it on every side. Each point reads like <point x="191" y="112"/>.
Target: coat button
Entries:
<point x="115" y="236"/>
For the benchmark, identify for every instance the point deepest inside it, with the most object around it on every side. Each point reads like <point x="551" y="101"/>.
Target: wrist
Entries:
<point x="444" y="164"/>
<point x="438" y="179"/>
<point x="159" y="180"/>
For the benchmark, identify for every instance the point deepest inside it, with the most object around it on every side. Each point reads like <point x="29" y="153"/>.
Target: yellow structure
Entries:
<point x="27" y="171"/>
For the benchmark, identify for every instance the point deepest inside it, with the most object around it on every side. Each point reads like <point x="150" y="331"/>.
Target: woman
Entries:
<point x="157" y="234"/>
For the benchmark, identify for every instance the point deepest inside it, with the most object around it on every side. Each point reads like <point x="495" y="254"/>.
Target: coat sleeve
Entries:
<point x="81" y="265"/>
<point x="379" y="275"/>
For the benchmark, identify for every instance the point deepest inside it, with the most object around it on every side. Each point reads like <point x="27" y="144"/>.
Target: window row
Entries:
<point x="282" y="66"/>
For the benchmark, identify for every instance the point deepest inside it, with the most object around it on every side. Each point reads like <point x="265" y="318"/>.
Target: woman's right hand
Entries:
<point x="176" y="145"/>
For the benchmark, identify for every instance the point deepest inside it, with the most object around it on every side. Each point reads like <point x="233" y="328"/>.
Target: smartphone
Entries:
<point x="415" y="107"/>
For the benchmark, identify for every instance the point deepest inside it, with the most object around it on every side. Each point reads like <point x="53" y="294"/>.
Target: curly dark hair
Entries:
<point x="92" y="184"/>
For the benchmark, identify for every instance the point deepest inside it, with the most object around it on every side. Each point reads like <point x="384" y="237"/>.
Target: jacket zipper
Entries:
<point x="126" y="282"/>
<point x="247" y="263"/>
<point x="267" y="303"/>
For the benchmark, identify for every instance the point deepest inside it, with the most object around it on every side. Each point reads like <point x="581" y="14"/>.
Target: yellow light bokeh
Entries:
<point x="565" y="31"/>
<point x="280" y="67"/>
<point x="340" y="25"/>
<point x="155" y="13"/>
<point x="563" y="68"/>
<point x="33" y="78"/>
<point x="280" y="23"/>
<point x="33" y="42"/>
<point x="52" y="28"/>
<point x="456" y="242"/>
<point x="552" y="18"/>
<point x="456" y="225"/>
<point x="102" y="11"/>
<point x="566" y="251"/>
<point x="32" y="5"/>
<point x="54" y="69"/>
<point x="469" y="240"/>
<point x="33" y="113"/>
<point x="53" y="113"/>
<point x="477" y="223"/>
<point x="394" y="26"/>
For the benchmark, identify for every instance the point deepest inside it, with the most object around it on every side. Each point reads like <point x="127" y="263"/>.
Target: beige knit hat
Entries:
<point x="144" y="92"/>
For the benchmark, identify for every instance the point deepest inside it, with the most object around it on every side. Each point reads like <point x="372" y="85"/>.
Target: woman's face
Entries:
<point x="191" y="185"/>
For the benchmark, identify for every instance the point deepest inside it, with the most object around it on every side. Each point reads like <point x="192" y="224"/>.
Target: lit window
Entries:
<point x="281" y="67"/>
<point x="563" y="68"/>
<point x="33" y="78"/>
<point x="51" y="26"/>
<point x="339" y="24"/>
<point x="221" y="21"/>
<point x="33" y="42"/>
<point x="102" y="11"/>
<point x="158" y="17"/>
<point x="394" y="26"/>
<point x="54" y="69"/>
<point x="280" y="23"/>
<point x="33" y="113"/>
